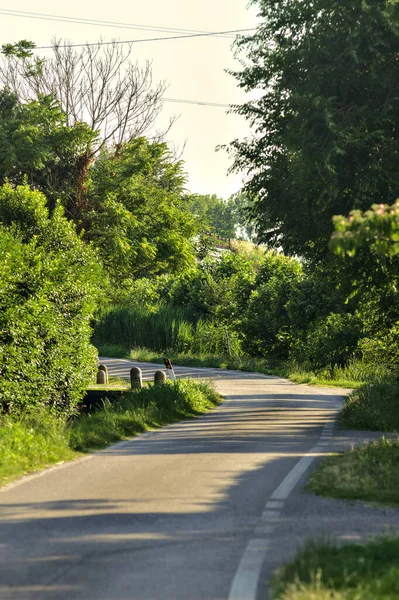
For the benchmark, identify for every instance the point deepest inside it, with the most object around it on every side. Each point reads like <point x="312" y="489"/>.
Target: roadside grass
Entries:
<point x="324" y="571"/>
<point x="32" y="442"/>
<point x="367" y="472"/>
<point x="40" y="439"/>
<point x="149" y="408"/>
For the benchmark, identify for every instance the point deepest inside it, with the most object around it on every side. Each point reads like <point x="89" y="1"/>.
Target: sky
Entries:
<point x="194" y="69"/>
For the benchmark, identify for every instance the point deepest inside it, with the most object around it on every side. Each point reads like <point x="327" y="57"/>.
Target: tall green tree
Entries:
<point x="325" y="117"/>
<point x="138" y="217"/>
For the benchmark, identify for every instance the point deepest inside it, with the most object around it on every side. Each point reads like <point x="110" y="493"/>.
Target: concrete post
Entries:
<point x="105" y="369"/>
<point x="159" y="378"/>
<point x="136" y="378"/>
<point x="101" y="377"/>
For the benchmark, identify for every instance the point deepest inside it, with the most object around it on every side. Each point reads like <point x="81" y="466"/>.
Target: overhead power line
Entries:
<point x="198" y="102"/>
<point x="117" y="24"/>
<point x="156" y="39"/>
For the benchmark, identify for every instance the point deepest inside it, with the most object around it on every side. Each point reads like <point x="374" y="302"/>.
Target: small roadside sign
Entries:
<point x="170" y="368"/>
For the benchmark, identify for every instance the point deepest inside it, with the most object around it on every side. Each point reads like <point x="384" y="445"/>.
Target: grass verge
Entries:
<point x="41" y="439"/>
<point x="367" y="472"/>
<point x="324" y="571"/>
<point x="32" y="442"/>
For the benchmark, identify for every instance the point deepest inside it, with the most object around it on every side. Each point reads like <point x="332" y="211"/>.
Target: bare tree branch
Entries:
<point x="99" y="85"/>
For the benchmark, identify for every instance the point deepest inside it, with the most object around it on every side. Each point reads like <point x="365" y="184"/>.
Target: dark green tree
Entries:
<point x="325" y="117"/>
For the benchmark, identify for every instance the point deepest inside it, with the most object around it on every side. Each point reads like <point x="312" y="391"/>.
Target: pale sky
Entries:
<point x="194" y="68"/>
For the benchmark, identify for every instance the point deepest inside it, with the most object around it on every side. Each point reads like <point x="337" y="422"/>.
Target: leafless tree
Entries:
<point x="98" y="84"/>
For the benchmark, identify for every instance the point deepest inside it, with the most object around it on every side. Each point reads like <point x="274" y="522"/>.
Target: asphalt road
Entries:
<point x="184" y="513"/>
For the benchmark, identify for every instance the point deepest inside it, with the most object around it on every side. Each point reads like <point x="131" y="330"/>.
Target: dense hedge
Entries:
<point x="49" y="283"/>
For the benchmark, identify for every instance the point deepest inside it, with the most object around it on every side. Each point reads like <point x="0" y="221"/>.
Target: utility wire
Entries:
<point x="198" y="102"/>
<point x="157" y="39"/>
<point x="115" y="24"/>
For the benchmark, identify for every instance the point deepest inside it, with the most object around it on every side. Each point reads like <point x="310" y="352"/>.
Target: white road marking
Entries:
<point x="246" y="579"/>
<point x="270" y="515"/>
<point x="245" y="582"/>
<point x="289" y="482"/>
<point x="275" y="504"/>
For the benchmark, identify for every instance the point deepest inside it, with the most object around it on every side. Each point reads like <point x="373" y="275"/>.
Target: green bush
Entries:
<point x="330" y="341"/>
<point x="374" y="406"/>
<point x="382" y="349"/>
<point x="266" y="326"/>
<point x="49" y="283"/>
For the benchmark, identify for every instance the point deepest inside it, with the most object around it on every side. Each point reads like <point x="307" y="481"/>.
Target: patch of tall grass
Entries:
<point x="129" y="327"/>
<point x="169" y="329"/>
<point x="32" y="442"/>
<point x="151" y="407"/>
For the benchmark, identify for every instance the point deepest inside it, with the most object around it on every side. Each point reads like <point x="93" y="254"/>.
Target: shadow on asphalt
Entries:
<point x="46" y="553"/>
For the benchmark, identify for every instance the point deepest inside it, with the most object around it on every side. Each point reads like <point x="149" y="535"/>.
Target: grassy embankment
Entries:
<point x="322" y="571"/>
<point x="40" y="439"/>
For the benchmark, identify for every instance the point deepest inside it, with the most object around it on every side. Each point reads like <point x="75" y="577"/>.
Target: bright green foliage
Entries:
<point x="371" y="240"/>
<point x="217" y="289"/>
<point x="382" y="348"/>
<point x="169" y="329"/>
<point x="49" y="283"/>
<point x="22" y="49"/>
<point x="39" y="148"/>
<point x="226" y="218"/>
<point x="377" y="229"/>
<point x="138" y="218"/>
<point x="326" y="117"/>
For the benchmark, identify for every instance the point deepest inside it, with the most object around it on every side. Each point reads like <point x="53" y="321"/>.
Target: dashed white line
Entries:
<point x="245" y="582"/>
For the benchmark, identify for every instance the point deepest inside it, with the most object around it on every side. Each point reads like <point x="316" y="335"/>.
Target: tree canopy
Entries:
<point x="137" y="213"/>
<point x="39" y="147"/>
<point x="325" y="117"/>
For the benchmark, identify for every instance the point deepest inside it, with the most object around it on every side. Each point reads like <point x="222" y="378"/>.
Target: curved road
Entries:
<point x="187" y="512"/>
